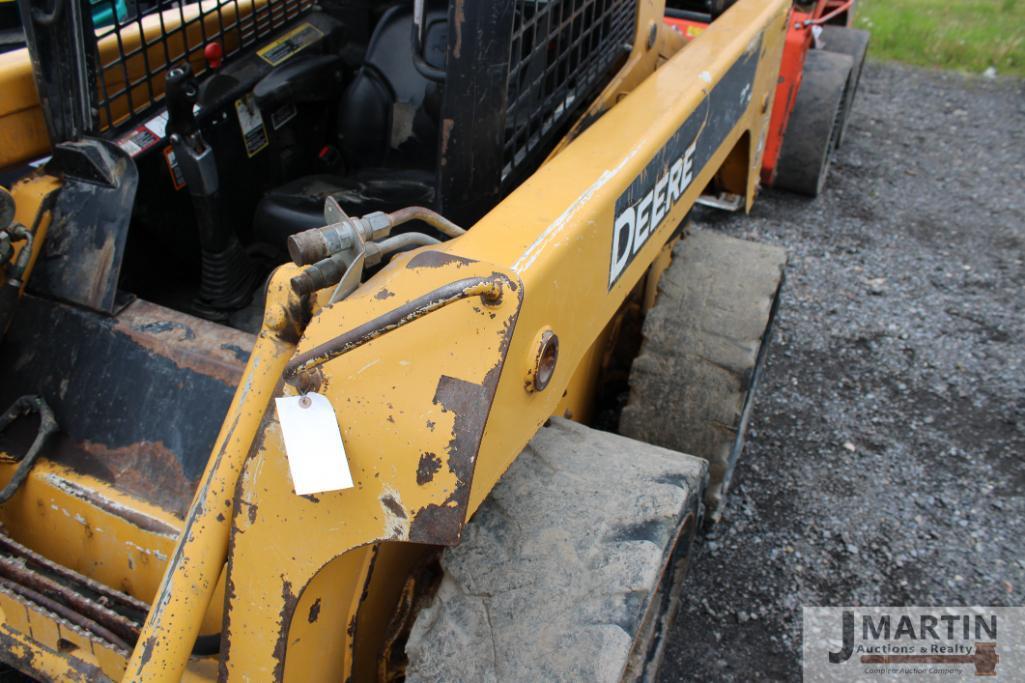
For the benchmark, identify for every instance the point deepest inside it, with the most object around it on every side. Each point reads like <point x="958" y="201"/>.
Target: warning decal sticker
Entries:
<point x="138" y="140"/>
<point x="254" y="133"/>
<point x="643" y="207"/>
<point x="299" y="38"/>
<point x="177" y="177"/>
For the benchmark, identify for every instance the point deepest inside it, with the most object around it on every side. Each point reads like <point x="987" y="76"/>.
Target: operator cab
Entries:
<point x="193" y="141"/>
<point x="192" y="144"/>
<point x="242" y="121"/>
<point x="328" y="108"/>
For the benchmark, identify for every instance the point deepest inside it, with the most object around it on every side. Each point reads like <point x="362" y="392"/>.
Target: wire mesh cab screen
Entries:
<point x="137" y="43"/>
<point x="519" y="73"/>
<point x="561" y="50"/>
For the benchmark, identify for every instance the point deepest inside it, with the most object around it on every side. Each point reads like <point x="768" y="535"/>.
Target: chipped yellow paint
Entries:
<point x="389" y="420"/>
<point x="192" y="576"/>
<point x="94" y="537"/>
<point x="386" y="393"/>
<point x="552" y="237"/>
<point x="30" y="196"/>
<point x="23" y="133"/>
<point x="394" y="522"/>
<point x="433" y="412"/>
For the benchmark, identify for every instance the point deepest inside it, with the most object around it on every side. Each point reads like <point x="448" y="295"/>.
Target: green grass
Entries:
<point x="967" y="35"/>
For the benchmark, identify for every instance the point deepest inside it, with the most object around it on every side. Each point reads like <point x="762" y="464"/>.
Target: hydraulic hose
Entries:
<point x="27" y="405"/>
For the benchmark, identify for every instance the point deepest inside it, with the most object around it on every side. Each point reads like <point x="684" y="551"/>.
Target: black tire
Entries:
<point x="716" y="8"/>
<point x="713" y="8"/>
<point x="810" y="137"/>
<point x="853" y="43"/>
<point x="570" y="570"/>
<point x="846" y="17"/>
<point x="705" y="340"/>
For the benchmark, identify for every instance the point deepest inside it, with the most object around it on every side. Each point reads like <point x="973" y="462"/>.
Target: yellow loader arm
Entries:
<point x="440" y="368"/>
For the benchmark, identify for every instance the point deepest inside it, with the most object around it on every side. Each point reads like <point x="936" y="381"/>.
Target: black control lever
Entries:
<point x="227" y="278"/>
<point x="181" y="92"/>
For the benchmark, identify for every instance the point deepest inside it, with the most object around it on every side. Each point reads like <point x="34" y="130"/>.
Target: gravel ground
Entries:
<point x="885" y="461"/>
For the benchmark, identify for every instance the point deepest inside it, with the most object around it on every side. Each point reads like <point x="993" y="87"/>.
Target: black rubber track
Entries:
<point x="705" y="339"/>
<point x="853" y="43"/>
<point x="810" y="136"/>
<point x="570" y="570"/>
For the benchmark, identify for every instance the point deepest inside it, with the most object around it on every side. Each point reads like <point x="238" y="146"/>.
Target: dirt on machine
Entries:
<point x="372" y="340"/>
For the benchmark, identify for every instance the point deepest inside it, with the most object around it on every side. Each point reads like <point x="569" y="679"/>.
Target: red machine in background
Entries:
<point x="818" y="80"/>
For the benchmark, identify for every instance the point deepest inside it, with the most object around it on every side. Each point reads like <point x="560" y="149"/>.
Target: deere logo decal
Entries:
<point x="644" y="206"/>
<point x="636" y="223"/>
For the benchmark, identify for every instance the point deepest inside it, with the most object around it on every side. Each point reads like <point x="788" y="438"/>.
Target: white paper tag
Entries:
<point x="313" y="444"/>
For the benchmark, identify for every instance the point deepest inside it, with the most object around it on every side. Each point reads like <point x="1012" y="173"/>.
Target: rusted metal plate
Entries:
<point x="107" y="614"/>
<point x="81" y="259"/>
<point x="470" y="403"/>
<point x="412" y="409"/>
<point x="139" y="397"/>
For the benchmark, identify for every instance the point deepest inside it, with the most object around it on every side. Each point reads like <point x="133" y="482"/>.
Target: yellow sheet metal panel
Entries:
<point x="192" y="576"/>
<point x="419" y="398"/>
<point x="325" y="623"/>
<point x="557" y="229"/>
<point x="91" y="528"/>
<point x="578" y="398"/>
<point x="23" y="133"/>
<point x="433" y="411"/>
<point x="411" y="405"/>
<point x="32" y="198"/>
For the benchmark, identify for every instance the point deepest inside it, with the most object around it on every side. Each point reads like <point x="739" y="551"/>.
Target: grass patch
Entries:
<point x="967" y="35"/>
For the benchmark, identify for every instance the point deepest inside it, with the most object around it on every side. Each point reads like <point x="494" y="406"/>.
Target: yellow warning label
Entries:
<point x="299" y="38"/>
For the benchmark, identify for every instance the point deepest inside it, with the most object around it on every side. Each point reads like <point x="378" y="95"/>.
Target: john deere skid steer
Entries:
<point x="311" y="314"/>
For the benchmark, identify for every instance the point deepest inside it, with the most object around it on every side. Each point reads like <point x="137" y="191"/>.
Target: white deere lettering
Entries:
<point x="688" y="166"/>
<point x="660" y="208"/>
<point x="622" y="242"/>
<point x="636" y="223"/>
<point x="643" y="222"/>
<point x="675" y="176"/>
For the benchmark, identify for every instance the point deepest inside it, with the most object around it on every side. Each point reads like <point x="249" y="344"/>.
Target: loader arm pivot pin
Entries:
<point x="489" y="289"/>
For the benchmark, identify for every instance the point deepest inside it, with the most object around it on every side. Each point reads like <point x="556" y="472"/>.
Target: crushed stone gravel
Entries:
<point x="886" y="459"/>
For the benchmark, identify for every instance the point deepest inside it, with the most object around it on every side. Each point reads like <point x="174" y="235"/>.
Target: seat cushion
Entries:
<point x="299" y="205"/>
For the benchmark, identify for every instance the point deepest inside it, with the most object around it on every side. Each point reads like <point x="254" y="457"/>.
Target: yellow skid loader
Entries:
<point x="311" y="314"/>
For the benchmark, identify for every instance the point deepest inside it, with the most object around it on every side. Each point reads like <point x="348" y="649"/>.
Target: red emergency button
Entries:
<point x="213" y="54"/>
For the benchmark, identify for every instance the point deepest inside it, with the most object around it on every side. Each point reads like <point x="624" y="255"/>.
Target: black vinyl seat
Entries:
<point x="387" y="135"/>
<point x="299" y="205"/>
